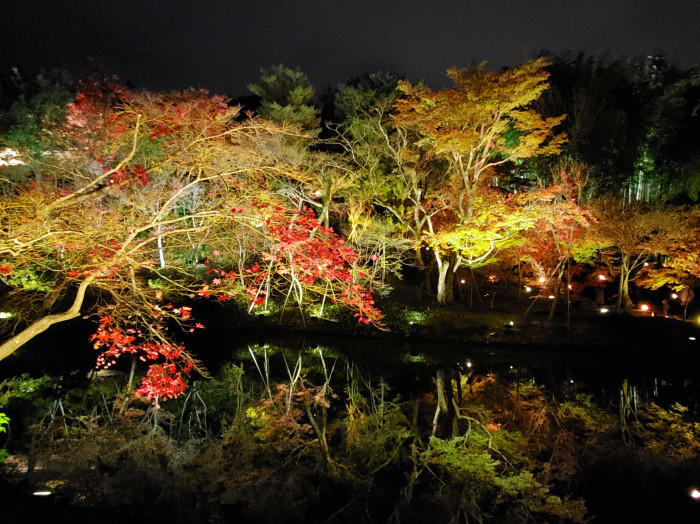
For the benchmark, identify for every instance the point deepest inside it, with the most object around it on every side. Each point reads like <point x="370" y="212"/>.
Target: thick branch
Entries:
<point x="44" y="323"/>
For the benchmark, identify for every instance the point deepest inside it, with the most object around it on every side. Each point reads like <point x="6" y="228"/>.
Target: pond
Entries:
<point x="294" y="428"/>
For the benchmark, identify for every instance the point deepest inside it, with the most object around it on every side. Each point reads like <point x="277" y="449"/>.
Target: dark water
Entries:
<point x="621" y="488"/>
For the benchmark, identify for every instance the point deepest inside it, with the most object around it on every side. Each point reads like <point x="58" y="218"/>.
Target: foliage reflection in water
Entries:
<point x="409" y="438"/>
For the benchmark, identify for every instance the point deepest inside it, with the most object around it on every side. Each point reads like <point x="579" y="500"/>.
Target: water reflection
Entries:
<point x="360" y="433"/>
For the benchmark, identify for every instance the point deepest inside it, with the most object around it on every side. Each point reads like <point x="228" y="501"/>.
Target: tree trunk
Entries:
<point x="418" y="255"/>
<point x="44" y="323"/>
<point x="624" y="302"/>
<point x="443" y="271"/>
<point x="446" y="279"/>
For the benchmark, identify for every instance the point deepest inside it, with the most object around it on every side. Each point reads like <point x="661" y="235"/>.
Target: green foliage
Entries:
<point x="668" y="432"/>
<point x="487" y="487"/>
<point x="25" y="388"/>
<point x="374" y="440"/>
<point x="39" y="108"/>
<point x="31" y="278"/>
<point x="363" y="98"/>
<point x="693" y="184"/>
<point x="285" y="97"/>
<point x="413" y="316"/>
<point x="4" y="424"/>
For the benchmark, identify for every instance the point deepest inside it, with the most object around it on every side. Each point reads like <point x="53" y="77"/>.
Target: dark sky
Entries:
<point x="221" y="45"/>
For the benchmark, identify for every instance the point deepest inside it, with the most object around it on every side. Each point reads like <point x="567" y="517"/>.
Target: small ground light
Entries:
<point x="41" y="493"/>
<point x="604" y="310"/>
<point x="570" y="286"/>
<point x="644" y="307"/>
<point x="694" y="494"/>
<point x="646" y="264"/>
<point x="542" y="279"/>
<point x="691" y="338"/>
<point x="674" y="296"/>
<point x="511" y="323"/>
<point x="528" y="288"/>
<point x="571" y="381"/>
<point x="551" y="297"/>
<point x="462" y="281"/>
<point x="5" y="314"/>
<point x="469" y="364"/>
<point x="601" y="277"/>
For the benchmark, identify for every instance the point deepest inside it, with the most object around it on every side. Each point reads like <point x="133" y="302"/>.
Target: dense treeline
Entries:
<point x="555" y="176"/>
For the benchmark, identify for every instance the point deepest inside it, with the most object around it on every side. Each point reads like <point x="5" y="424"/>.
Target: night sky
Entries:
<point x="221" y="45"/>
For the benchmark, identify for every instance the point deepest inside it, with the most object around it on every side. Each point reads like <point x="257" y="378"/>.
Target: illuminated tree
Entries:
<point x="146" y="192"/>
<point x="555" y="240"/>
<point x="484" y="122"/>
<point x="680" y="266"/>
<point x="629" y="236"/>
<point x="397" y="185"/>
<point x="481" y="124"/>
<point x="495" y="225"/>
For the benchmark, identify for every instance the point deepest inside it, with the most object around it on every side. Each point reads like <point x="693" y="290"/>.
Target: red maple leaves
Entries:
<point x="163" y="380"/>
